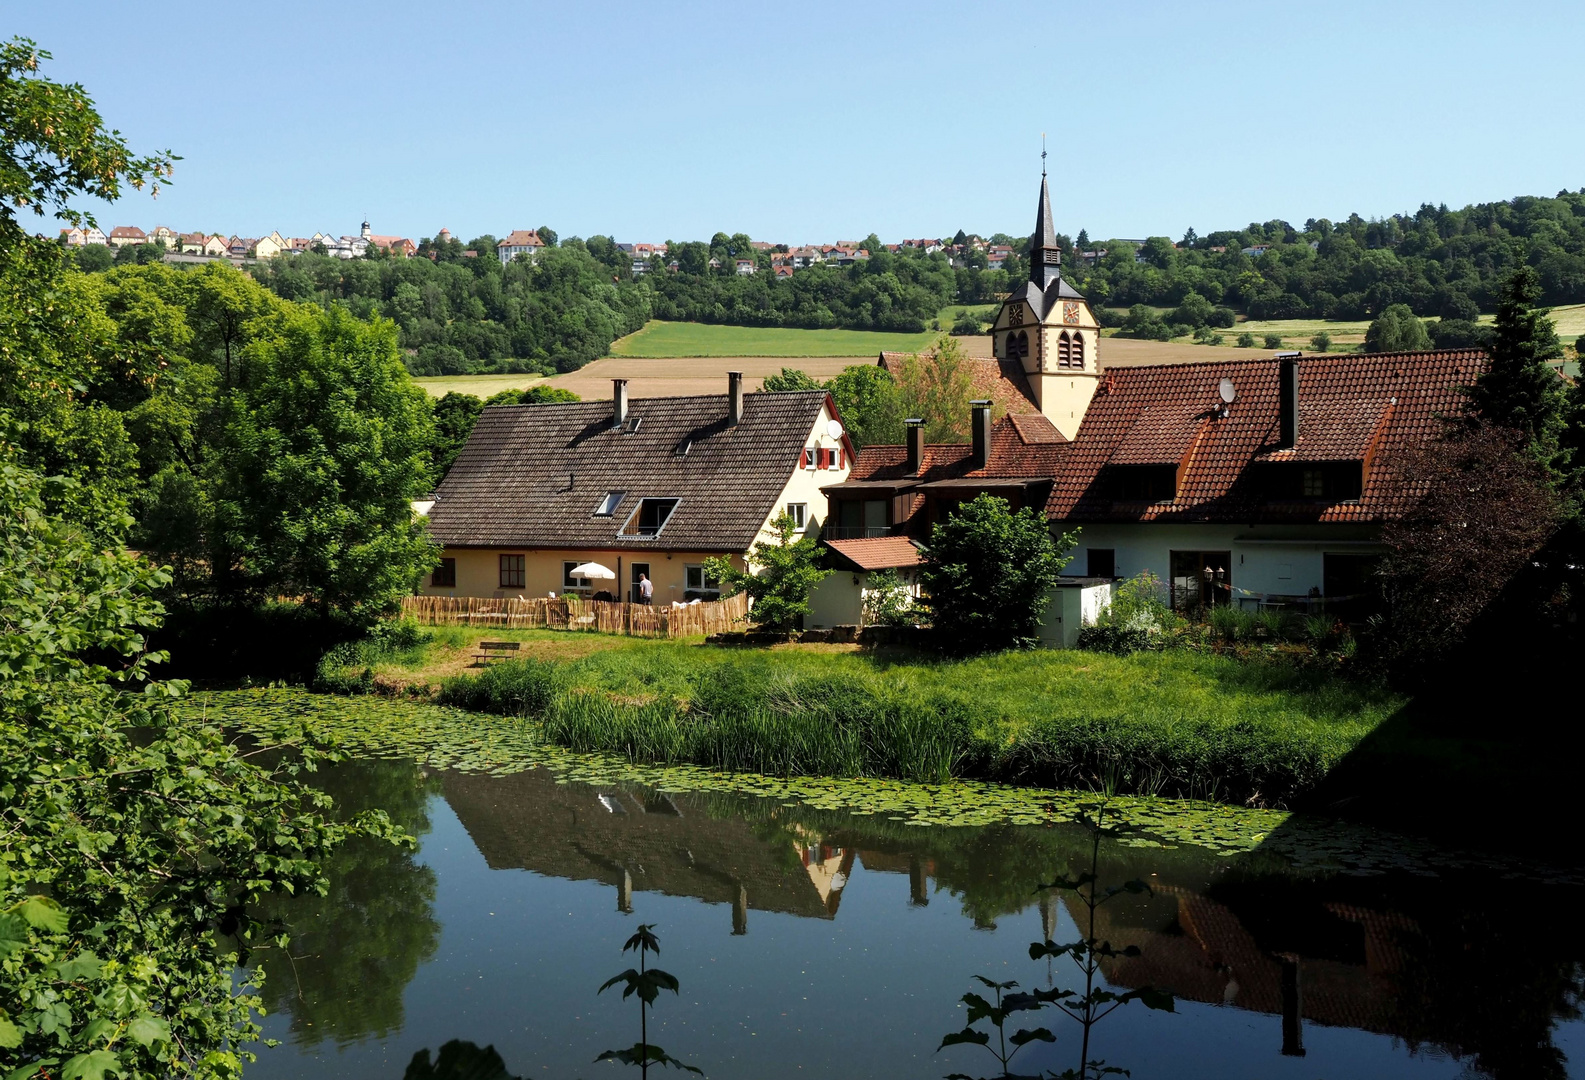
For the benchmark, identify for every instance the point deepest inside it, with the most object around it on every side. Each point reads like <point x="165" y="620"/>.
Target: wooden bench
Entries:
<point x="495" y="650"/>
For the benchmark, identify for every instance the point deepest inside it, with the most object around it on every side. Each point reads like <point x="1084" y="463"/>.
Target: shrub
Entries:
<point x="511" y="688"/>
<point x="1321" y="342"/>
<point x="888" y="601"/>
<point x="966" y="324"/>
<point x="1273" y="341"/>
<point x="1223" y="318"/>
<point x="987" y="573"/>
<point x="788" y="572"/>
<point x="1246" y="340"/>
<point x="1138" y="618"/>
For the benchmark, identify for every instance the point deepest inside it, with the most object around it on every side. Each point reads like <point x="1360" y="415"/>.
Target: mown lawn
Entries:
<point x="668" y="339"/>
<point x="480" y="386"/>
<point x="1175" y="723"/>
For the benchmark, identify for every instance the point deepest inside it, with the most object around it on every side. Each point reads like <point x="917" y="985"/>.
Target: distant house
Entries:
<point x="399" y="246"/>
<point x="519" y="242"/>
<point x="267" y="247"/>
<point x="1255" y="250"/>
<point x="745" y="267"/>
<point x="80" y="237"/>
<point x="240" y="247"/>
<point x="127" y="236"/>
<point x="650" y="486"/>
<point x="192" y="243"/>
<point x="804" y="257"/>
<point x="782" y="272"/>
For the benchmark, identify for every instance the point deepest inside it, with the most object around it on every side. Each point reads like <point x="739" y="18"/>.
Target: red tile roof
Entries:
<point x="1355" y="407"/>
<point x="521" y="238"/>
<point x="1011" y="457"/>
<point x="877" y="552"/>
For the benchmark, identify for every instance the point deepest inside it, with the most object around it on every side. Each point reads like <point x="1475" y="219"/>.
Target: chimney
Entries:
<point x="618" y="402"/>
<point x="734" y="390"/>
<point x="1288" y="402"/>
<point x="916" y="446"/>
<point x="982" y="432"/>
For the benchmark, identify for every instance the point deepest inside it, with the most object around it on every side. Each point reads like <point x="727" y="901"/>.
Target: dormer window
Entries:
<point x="1311" y="481"/>
<point x="649" y="518"/>
<point x="1142" y="483"/>
<point x="609" y="504"/>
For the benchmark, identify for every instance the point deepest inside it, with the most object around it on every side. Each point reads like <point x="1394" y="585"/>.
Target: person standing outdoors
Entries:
<point x="646" y="589"/>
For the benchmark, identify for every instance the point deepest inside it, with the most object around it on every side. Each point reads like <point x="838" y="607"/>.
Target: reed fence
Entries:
<point x="575" y="613"/>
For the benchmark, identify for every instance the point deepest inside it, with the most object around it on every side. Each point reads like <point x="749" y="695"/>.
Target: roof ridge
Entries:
<point x="1192" y="364"/>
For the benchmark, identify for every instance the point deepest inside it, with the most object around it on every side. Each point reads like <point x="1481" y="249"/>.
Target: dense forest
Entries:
<point x="458" y="310"/>
<point x="1440" y="262"/>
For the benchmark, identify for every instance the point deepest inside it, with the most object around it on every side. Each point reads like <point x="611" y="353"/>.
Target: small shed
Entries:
<point x="839" y="599"/>
<point x="1075" y="603"/>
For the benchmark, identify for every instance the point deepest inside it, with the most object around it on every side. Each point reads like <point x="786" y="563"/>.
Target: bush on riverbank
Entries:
<point x="1174" y="723"/>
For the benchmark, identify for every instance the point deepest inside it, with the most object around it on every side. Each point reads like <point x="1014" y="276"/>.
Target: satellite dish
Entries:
<point x="1229" y="394"/>
<point x="834" y="429"/>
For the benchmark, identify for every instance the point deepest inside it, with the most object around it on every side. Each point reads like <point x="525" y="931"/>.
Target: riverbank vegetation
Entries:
<point x="1166" y="723"/>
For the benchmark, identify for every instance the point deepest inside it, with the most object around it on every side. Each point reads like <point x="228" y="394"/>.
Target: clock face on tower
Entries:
<point x="1070" y="312"/>
<point x="1015" y="315"/>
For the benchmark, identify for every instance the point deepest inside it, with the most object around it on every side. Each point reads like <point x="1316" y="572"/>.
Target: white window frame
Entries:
<point x="608" y="505"/>
<point x="799" y="512"/>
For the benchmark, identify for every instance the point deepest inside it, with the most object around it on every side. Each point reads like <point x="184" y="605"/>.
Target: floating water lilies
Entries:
<point x="445" y="738"/>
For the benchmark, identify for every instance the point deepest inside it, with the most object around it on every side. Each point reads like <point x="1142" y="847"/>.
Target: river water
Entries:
<point x="815" y="943"/>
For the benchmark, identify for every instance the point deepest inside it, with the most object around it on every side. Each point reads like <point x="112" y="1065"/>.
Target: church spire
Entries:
<point x="1044" y="257"/>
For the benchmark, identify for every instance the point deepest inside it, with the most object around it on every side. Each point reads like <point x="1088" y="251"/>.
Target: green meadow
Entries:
<point x="677" y="339"/>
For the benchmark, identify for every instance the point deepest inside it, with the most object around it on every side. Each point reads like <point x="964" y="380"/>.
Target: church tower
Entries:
<point x="1047" y="327"/>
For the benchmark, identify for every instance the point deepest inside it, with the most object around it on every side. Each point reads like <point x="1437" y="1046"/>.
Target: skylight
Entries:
<point x="609" y="504"/>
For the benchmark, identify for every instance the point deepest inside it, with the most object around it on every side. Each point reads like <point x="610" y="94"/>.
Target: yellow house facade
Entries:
<point x="651" y="487"/>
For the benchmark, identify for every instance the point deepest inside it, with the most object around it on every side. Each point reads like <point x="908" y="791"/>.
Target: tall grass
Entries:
<point x="1173" y="723"/>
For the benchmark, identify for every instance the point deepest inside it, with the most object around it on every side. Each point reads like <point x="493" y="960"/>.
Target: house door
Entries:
<point x="1201" y="579"/>
<point x="639" y="569"/>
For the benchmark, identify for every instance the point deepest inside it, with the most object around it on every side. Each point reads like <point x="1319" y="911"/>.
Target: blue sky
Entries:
<point x="815" y="121"/>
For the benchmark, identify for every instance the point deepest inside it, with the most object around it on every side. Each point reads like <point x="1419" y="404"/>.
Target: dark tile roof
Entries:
<point x="1354" y="407"/>
<point x="534" y="475"/>
<point x="875" y="552"/>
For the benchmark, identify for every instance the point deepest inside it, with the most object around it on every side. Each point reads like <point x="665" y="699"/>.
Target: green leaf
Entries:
<point x="10" y="1035"/>
<point x="91" y="1066"/>
<point x="42" y="913"/>
<point x="83" y="966"/>
<point x="1024" y="1035"/>
<point x="149" y="1029"/>
<point x="13" y="934"/>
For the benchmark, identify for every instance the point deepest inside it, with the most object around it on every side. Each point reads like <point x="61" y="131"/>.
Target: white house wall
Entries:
<point x="1291" y="564"/>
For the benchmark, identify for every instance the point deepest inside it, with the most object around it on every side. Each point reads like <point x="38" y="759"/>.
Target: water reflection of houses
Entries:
<point x="1335" y="963"/>
<point x="646" y="842"/>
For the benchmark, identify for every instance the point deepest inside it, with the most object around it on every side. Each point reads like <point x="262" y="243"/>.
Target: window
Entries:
<point x="511" y="571"/>
<point x="609" y="504"/>
<point x="567" y="579"/>
<point x="444" y="576"/>
<point x="809" y="457"/>
<point x="1143" y="483"/>
<point x="649" y="518"/>
<point x="697" y="585"/>
<point x="855" y="519"/>
<point x="1320" y="481"/>
<point x="799" y="512"/>
<point x="1102" y="563"/>
<point x="1064" y="350"/>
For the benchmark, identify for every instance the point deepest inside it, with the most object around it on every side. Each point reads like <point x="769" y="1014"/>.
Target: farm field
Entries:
<point x="659" y="340"/>
<point x="480" y="386"/>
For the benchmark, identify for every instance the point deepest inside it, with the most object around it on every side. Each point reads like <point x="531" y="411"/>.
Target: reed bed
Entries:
<point x="1175" y="725"/>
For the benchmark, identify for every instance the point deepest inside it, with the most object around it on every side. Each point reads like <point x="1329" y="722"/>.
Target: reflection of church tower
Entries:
<point x="1049" y="328"/>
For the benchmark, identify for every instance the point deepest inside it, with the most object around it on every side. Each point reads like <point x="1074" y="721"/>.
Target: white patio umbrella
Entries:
<point x="593" y="570"/>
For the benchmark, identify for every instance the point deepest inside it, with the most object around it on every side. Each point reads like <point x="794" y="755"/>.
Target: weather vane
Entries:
<point x="1042" y="153"/>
